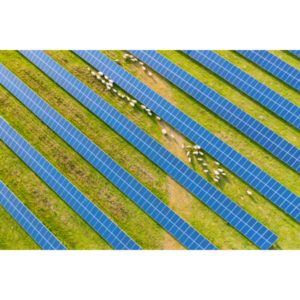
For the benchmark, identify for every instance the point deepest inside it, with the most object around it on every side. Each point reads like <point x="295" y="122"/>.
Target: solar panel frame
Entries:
<point x="65" y="189"/>
<point x="125" y="182"/>
<point x="179" y="171"/>
<point x="242" y="167"/>
<point x="235" y="116"/>
<point x="275" y="66"/>
<point x="28" y="221"/>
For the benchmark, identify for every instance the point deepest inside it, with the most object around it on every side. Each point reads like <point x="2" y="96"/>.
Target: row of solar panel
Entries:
<point x="28" y="221"/>
<point x="275" y="66"/>
<point x="222" y="107"/>
<point x="249" y="85"/>
<point x="230" y="158"/>
<point x="65" y="189"/>
<point x="184" y="175"/>
<point x="148" y="202"/>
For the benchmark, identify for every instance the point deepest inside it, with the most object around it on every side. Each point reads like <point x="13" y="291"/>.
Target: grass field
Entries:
<point x="76" y="234"/>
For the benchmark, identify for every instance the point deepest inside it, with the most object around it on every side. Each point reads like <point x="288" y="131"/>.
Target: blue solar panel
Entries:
<point x="275" y="66"/>
<point x="184" y="175"/>
<point x="295" y="52"/>
<point x="249" y="85"/>
<point x="242" y="167"/>
<point x="221" y="106"/>
<point x="148" y="202"/>
<point x="67" y="191"/>
<point x="28" y="221"/>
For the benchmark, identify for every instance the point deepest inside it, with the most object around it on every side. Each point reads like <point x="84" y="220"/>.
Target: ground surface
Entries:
<point x="76" y="234"/>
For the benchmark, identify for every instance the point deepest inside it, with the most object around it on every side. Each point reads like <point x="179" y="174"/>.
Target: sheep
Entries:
<point x="182" y="146"/>
<point x="190" y="160"/>
<point x="206" y="171"/>
<point x="106" y="77"/>
<point x="249" y="192"/>
<point x="195" y="152"/>
<point x="223" y="174"/>
<point x="144" y="68"/>
<point x="216" y="180"/>
<point x="132" y="104"/>
<point x="149" y="113"/>
<point x="220" y="170"/>
<point x="143" y="107"/>
<point x="158" y="118"/>
<point x="216" y="172"/>
<point x="197" y="147"/>
<point x="201" y="153"/>
<point x="172" y="136"/>
<point x="217" y="163"/>
<point x="93" y="73"/>
<point x="115" y="91"/>
<point x="100" y="73"/>
<point x="149" y="73"/>
<point x="164" y="131"/>
<point x="200" y="159"/>
<point x="188" y="153"/>
<point x="141" y="63"/>
<point x="204" y="164"/>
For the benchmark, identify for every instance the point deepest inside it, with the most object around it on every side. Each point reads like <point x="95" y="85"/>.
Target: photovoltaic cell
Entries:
<point x="220" y="105"/>
<point x="249" y="85"/>
<point x="242" y="167"/>
<point x="295" y="52"/>
<point x="28" y="221"/>
<point x="147" y="201"/>
<point x="67" y="191"/>
<point x="184" y="175"/>
<point x="275" y="66"/>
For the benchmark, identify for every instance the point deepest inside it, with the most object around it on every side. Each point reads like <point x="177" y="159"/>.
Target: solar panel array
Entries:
<point x="295" y="52"/>
<point x="242" y="167"/>
<point x="249" y="85"/>
<point x="275" y="66"/>
<point x="222" y="107"/>
<point x="67" y="191"/>
<point x="148" y="202"/>
<point x="28" y="221"/>
<point x="184" y="175"/>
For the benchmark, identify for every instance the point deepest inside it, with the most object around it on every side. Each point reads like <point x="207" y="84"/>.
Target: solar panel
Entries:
<point x="249" y="85"/>
<point x="295" y="52"/>
<point x="173" y="166"/>
<point x="222" y="107"/>
<point x="125" y="182"/>
<point x="242" y="167"/>
<point x="65" y="189"/>
<point x="28" y="221"/>
<point x="275" y="66"/>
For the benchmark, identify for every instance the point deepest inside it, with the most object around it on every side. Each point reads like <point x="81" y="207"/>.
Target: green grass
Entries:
<point x="146" y="232"/>
<point x="257" y="206"/>
<point x="288" y="58"/>
<point x="12" y="236"/>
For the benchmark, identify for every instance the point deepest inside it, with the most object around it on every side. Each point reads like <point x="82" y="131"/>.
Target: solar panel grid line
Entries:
<point x="295" y="53"/>
<point x="279" y="147"/>
<point x="249" y="85"/>
<point x="241" y="166"/>
<point x="152" y="149"/>
<point x="274" y="65"/>
<point x="73" y="197"/>
<point x="161" y="213"/>
<point x="28" y="221"/>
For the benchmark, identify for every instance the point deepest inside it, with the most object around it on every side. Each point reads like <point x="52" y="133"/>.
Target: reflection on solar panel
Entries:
<point x="67" y="191"/>
<point x="249" y="85"/>
<point x="275" y="66"/>
<point x="28" y="221"/>
<point x="148" y="202"/>
<point x="295" y="52"/>
<point x="193" y="182"/>
<point x="222" y="107"/>
<point x="238" y="164"/>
